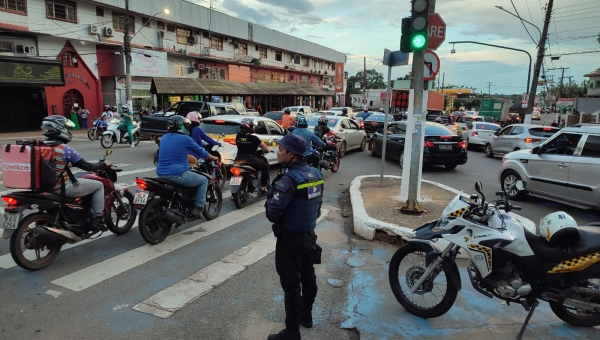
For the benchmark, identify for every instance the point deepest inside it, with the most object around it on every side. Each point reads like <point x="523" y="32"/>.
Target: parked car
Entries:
<point x="535" y="115"/>
<point x="296" y="109"/>
<point x="517" y="137"/>
<point x="350" y="110"/>
<point x="563" y="168"/>
<point x="479" y="133"/>
<point x="265" y="129"/>
<point x="375" y="122"/>
<point x="351" y="135"/>
<point x="277" y="116"/>
<point x="442" y="146"/>
<point x="328" y="113"/>
<point x="466" y="123"/>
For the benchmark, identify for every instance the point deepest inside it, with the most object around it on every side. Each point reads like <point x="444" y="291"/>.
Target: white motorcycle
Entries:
<point x="120" y="136"/>
<point x="507" y="261"/>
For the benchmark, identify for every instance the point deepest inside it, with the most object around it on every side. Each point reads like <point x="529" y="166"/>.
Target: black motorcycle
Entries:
<point x="245" y="182"/>
<point x="328" y="160"/>
<point x="164" y="204"/>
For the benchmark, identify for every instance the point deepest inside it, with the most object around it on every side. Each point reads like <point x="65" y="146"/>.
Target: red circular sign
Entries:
<point x="437" y="31"/>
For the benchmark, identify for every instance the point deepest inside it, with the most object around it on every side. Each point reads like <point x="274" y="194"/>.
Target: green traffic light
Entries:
<point x="418" y="42"/>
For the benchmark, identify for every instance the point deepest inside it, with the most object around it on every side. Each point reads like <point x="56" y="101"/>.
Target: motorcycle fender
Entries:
<point x="432" y="251"/>
<point x="234" y="189"/>
<point x="108" y="133"/>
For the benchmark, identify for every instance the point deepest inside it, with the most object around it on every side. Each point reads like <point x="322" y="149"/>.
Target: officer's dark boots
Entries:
<point x="306" y="321"/>
<point x="285" y="335"/>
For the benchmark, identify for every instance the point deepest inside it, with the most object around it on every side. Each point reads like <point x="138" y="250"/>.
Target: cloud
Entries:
<point x="314" y="37"/>
<point x="294" y="29"/>
<point x="293" y="6"/>
<point x="262" y="16"/>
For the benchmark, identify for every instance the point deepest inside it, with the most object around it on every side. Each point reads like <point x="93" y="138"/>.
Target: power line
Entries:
<point x="594" y="16"/>
<point x="577" y="14"/>
<point x="523" y="23"/>
<point x="576" y="10"/>
<point x="585" y="3"/>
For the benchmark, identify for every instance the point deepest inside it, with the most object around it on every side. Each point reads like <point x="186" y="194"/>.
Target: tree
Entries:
<point x="408" y="76"/>
<point x="374" y="80"/>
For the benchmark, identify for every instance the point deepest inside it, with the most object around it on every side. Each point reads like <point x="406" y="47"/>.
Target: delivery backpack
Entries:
<point x="29" y="164"/>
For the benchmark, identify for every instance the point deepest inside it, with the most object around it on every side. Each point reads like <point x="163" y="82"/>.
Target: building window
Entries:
<point x="179" y="70"/>
<point x="305" y="62"/>
<point x="69" y="60"/>
<point x="304" y="79"/>
<point x="333" y="66"/>
<point x="99" y="11"/>
<point x="242" y="49"/>
<point x="262" y="52"/>
<point x="146" y="22"/>
<point x="314" y="63"/>
<point x="216" y="43"/>
<point x="278" y="56"/>
<point x="160" y="25"/>
<point x="182" y="36"/>
<point x="119" y="22"/>
<point x="60" y="9"/>
<point x="296" y="59"/>
<point x="215" y="73"/>
<point x="326" y="81"/>
<point x="19" y="6"/>
<point x="7" y="46"/>
<point x="171" y="28"/>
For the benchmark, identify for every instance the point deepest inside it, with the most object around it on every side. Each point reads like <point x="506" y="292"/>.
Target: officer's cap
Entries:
<point x="293" y="143"/>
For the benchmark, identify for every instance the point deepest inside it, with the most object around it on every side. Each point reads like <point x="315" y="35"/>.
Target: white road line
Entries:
<point x="168" y="301"/>
<point x="7" y="262"/>
<point x="94" y="274"/>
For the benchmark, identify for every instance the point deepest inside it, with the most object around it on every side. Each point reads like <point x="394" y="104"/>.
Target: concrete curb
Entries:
<point x="366" y="226"/>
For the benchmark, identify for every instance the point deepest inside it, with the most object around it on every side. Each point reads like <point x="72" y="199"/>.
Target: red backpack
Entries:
<point x="29" y="165"/>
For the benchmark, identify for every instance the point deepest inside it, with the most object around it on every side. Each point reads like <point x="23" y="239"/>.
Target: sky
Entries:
<point x="362" y="29"/>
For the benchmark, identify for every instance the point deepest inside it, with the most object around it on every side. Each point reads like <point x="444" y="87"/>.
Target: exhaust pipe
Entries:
<point x="174" y="217"/>
<point x="54" y="236"/>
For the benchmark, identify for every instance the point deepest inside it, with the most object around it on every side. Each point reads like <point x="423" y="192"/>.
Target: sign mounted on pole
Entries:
<point x="432" y="65"/>
<point x="437" y="31"/>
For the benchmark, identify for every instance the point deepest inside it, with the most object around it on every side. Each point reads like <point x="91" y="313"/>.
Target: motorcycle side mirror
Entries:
<point x="271" y="140"/>
<point x="478" y="187"/>
<point x="214" y="148"/>
<point x="108" y="153"/>
<point x="497" y="133"/>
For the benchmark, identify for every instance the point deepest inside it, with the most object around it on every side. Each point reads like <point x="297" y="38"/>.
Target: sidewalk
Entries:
<point x="78" y="134"/>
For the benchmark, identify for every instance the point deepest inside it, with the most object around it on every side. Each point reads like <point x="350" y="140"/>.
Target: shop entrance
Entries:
<point x="21" y="108"/>
<point x="71" y="98"/>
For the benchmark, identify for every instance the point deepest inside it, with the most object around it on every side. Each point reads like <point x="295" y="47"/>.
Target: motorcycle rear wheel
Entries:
<point x="240" y="198"/>
<point x="214" y="202"/>
<point x="107" y="141"/>
<point x="222" y="176"/>
<point x="415" y="268"/>
<point x="336" y="167"/>
<point x="577" y="317"/>
<point x="153" y="228"/>
<point x="127" y="211"/>
<point x="23" y="232"/>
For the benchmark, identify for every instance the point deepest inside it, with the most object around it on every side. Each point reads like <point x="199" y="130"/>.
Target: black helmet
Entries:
<point x="247" y="125"/>
<point x="287" y="110"/>
<point x="57" y="128"/>
<point x="178" y="124"/>
<point x="344" y="110"/>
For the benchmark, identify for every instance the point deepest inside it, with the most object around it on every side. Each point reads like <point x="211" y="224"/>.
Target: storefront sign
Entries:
<point x="339" y="78"/>
<point x="137" y="83"/>
<point x="31" y="72"/>
<point x="149" y="63"/>
<point x="76" y="77"/>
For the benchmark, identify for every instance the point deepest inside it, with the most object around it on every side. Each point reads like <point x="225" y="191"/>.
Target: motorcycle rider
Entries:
<point x="323" y="129"/>
<point x="175" y="146"/>
<point x="198" y="135"/>
<point x="127" y="122"/>
<point x="287" y="120"/>
<point x="107" y="115"/>
<point x="293" y="205"/>
<point x="56" y="130"/>
<point x="310" y="138"/>
<point x="365" y="114"/>
<point x="247" y="144"/>
<point x="345" y="112"/>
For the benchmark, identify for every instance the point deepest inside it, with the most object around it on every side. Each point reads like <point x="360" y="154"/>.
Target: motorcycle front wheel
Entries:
<point x="107" y="141"/>
<point x="577" y="316"/>
<point x="23" y="247"/>
<point x="240" y="198"/>
<point x="214" y="201"/>
<point x="92" y="134"/>
<point x="154" y="228"/>
<point x="121" y="213"/>
<point x="222" y="176"/>
<point x="136" y="139"/>
<point x="435" y="297"/>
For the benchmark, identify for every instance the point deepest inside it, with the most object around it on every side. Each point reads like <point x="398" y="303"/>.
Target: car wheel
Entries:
<point x="401" y="159"/>
<point x="372" y="147"/>
<point x="489" y="153"/>
<point x="342" y="150"/>
<point x="509" y="177"/>
<point x="363" y="144"/>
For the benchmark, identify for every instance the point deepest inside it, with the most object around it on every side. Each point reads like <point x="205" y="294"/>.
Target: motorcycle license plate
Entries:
<point x="141" y="197"/>
<point x="11" y="221"/>
<point x="237" y="180"/>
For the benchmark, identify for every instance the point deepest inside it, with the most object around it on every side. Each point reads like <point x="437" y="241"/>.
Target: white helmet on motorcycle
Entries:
<point x="559" y="229"/>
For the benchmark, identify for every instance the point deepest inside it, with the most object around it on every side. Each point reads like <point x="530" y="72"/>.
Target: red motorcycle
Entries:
<point x="327" y="159"/>
<point x="44" y="231"/>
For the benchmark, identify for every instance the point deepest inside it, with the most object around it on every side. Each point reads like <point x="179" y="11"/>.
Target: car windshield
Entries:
<point x="442" y="119"/>
<point x="543" y="132"/>
<point x="220" y="126"/>
<point x="274" y="115"/>
<point x="437" y="130"/>
<point x="314" y="121"/>
<point x="491" y="127"/>
<point x="336" y="109"/>
<point x="378" y="118"/>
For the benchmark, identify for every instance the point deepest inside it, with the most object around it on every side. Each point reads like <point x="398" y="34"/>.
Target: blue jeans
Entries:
<point x="192" y="180"/>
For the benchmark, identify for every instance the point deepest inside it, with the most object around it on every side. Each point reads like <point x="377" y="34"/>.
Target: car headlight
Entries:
<point x="114" y="121"/>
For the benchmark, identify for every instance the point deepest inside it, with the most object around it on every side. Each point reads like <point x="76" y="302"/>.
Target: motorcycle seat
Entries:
<point x="589" y="243"/>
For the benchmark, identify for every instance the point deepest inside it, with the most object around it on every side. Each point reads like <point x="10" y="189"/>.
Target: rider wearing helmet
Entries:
<point x="107" y="115"/>
<point x="173" y="161"/>
<point x="310" y="138"/>
<point x="127" y="122"/>
<point x="345" y="112"/>
<point x="247" y="144"/>
<point x="324" y="130"/>
<point x="560" y="230"/>
<point x="287" y="120"/>
<point x="198" y="135"/>
<point x="56" y="130"/>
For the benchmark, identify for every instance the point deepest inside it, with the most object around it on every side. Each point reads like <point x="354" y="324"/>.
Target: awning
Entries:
<point x="31" y="71"/>
<point x="163" y="85"/>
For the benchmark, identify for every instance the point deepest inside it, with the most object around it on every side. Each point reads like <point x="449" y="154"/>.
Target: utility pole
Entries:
<point x="365" y="81"/>
<point x="490" y="88"/>
<point x="538" y="63"/>
<point x="443" y="78"/>
<point x="127" y="50"/>
<point x="560" y="90"/>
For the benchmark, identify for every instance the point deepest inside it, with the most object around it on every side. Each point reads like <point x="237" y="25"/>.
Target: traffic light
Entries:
<point x="415" y="29"/>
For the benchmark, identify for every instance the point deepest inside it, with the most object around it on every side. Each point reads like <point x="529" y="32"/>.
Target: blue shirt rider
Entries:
<point x="365" y="114"/>
<point x="309" y="137"/>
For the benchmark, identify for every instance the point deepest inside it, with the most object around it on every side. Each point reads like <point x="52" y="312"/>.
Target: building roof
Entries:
<point x="595" y="73"/>
<point x="170" y="85"/>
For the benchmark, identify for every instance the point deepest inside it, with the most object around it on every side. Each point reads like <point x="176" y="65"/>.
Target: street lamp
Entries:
<point x="497" y="46"/>
<point x="518" y="17"/>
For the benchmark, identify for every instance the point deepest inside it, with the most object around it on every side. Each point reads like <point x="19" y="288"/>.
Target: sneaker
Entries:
<point x="197" y="212"/>
<point x="285" y="335"/>
<point x="132" y="145"/>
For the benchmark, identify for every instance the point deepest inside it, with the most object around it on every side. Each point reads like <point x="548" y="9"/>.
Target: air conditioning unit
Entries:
<point x="228" y="40"/>
<point x="93" y="29"/>
<point x="108" y="32"/>
<point x="325" y="72"/>
<point x="183" y="51"/>
<point x="161" y="34"/>
<point x="286" y="67"/>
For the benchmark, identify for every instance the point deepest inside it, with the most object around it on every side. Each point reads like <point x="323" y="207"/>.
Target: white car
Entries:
<point x="229" y="125"/>
<point x="351" y="135"/>
<point x="306" y="109"/>
<point x="479" y="134"/>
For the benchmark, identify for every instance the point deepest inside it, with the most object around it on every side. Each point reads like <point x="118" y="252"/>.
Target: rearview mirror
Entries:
<point x="535" y="150"/>
<point x="108" y="152"/>
<point x="478" y="187"/>
<point x="497" y="133"/>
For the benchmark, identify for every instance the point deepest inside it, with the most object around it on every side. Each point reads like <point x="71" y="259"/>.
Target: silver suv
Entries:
<point x="517" y="137"/>
<point x="564" y="168"/>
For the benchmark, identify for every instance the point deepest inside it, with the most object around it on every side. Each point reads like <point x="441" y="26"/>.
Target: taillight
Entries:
<point x="9" y="200"/>
<point x="220" y="121"/>
<point x="461" y="144"/>
<point x="429" y="144"/>
<point x="547" y="129"/>
<point x="141" y="184"/>
<point x="453" y="127"/>
<point x="229" y="140"/>
<point x="236" y="171"/>
<point x="532" y="140"/>
<point x="474" y="134"/>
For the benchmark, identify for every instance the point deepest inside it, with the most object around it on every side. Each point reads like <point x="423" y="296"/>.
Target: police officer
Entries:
<point x="293" y="205"/>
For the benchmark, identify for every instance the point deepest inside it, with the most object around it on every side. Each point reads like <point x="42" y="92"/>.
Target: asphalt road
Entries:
<point x="91" y="290"/>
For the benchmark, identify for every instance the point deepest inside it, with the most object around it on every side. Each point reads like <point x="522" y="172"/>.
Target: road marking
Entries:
<point x="168" y="301"/>
<point x="7" y="262"/>
<point x="104" y="270"/>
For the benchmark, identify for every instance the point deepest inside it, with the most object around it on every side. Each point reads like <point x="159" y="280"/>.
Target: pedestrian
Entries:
<point x="259" y="109"/>
<point x="293" y="206"/>
<point x="562" y="123"/>
<point x="554" y="123"/>
<point x="154" y="110"/>
<point x="74" y="117"/>
<point x="83" y="116"/>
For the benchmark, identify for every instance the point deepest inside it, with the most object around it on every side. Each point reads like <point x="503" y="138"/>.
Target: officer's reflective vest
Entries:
<point x="301" y="215"/>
